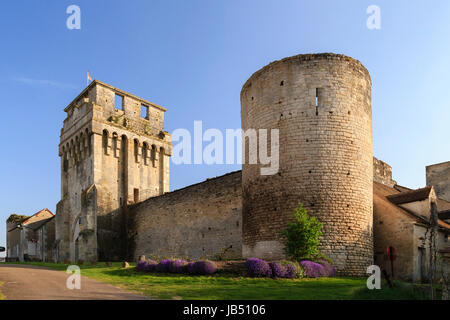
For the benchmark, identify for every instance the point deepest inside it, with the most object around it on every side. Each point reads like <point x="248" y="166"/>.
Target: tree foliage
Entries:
<point x="302" y="236"/>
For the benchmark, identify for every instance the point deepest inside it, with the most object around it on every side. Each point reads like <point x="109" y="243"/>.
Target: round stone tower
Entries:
<point x="321" y="105"/>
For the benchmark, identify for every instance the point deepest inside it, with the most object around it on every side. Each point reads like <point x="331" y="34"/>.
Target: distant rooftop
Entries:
<point x="410" y="196"/>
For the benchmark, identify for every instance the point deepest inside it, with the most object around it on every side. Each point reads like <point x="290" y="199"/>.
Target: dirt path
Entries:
<point x="22" y="282"/>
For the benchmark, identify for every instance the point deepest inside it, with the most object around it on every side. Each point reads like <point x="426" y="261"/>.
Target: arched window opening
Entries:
<point x="145" y="153"/>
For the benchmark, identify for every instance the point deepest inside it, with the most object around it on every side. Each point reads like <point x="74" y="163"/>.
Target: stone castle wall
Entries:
<point x="438" y="176"/>
<point x="112" y="159"/>
<point x="178" y="223"/>
<point x="382" y="173"/>
<point x="200" y="221"/>
<point x="321" y="104"/>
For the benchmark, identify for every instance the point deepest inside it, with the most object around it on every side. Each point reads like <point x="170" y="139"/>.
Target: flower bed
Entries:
<point x="331" y="272"/>
<point x="259" y="268"/>
<point x="163" y="266"/>
<point x="177" y="266"/>
<point x="141" y="265"/>
<point x="313" y="269"/>
<point x="203" y="267"/>
<point x="288" y="269"/>
<point x="253" y="267"/>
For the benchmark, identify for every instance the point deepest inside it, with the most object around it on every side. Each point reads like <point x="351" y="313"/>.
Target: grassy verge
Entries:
<point x="220" y="286"/>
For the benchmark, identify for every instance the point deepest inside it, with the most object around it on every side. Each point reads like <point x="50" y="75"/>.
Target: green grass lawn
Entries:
<point x="220" y="286"/>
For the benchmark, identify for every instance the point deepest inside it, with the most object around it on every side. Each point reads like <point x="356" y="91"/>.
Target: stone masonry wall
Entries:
<point x="200" y="221"/>
<point x="392" y="228"/>
<point x="111" y="156"/>
<point x="382" y="173"/>
<point x="325" y="156"/>
<point x="438" y="176"/>
<point x="49" y="234"/>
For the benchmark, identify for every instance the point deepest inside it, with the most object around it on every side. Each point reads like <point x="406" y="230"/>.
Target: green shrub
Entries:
<point x="320" y="257"/>
<point x="302" y="236"/>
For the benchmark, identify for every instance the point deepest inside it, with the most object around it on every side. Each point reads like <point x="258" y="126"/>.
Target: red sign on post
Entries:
<point x="391" y="257"/>
<point x="391" y="254"/>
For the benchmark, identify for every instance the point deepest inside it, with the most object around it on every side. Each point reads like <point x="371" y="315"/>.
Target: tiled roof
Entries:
<point x="410" y="196"/>
<point x="382" y="195"/>
<point x="444" y="215"/>
<point x="36" y="214"/>
<point x="401" y="188"/>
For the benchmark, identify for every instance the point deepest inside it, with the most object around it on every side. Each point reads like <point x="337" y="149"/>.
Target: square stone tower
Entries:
<point x="114" y="152"/>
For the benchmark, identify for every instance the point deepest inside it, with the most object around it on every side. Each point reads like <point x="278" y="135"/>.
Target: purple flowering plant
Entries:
<point x="163" y="266"/>
<point x="141" y="265"/>
<point x="151" y="266"/>
<point x="205" y="267"/>
<point x="177" y="266"/>
<point x="190" y="267"/>
<point x="278" y="270"/>
<point x="313" y="269"/>
<point x="331" y="272"/>
<point x="258" y="268"/>
<point x="292" y="269"/>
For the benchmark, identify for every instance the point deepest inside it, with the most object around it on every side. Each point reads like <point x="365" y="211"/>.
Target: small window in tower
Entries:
<point x="136" y="195"/>
<point x="118" y="102"/>
<point x="136" y="150"/>
<point x="105" y="142"/>
<point x="317" y="101"/>
<point x="145" y="112"/>
<point x="153" y="155"/>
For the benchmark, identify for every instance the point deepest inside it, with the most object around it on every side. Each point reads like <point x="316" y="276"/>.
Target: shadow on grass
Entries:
<point x="400" y="291"/>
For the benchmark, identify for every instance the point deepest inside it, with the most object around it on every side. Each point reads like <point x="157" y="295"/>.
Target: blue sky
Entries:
<point x="193" y="57"/>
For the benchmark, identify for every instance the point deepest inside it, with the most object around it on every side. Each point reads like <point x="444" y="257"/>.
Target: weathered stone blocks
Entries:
<point x="321" y="104"/>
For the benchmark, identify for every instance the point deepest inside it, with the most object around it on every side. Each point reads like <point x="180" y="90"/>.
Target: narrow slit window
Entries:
<point x="153" y="155"/>
<point x="118" y="102"/>
<point x="144" y="112"/>
<point x="317" y="101"/>
<point x="136" y="150"/>
<point x="105" y="142"/>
